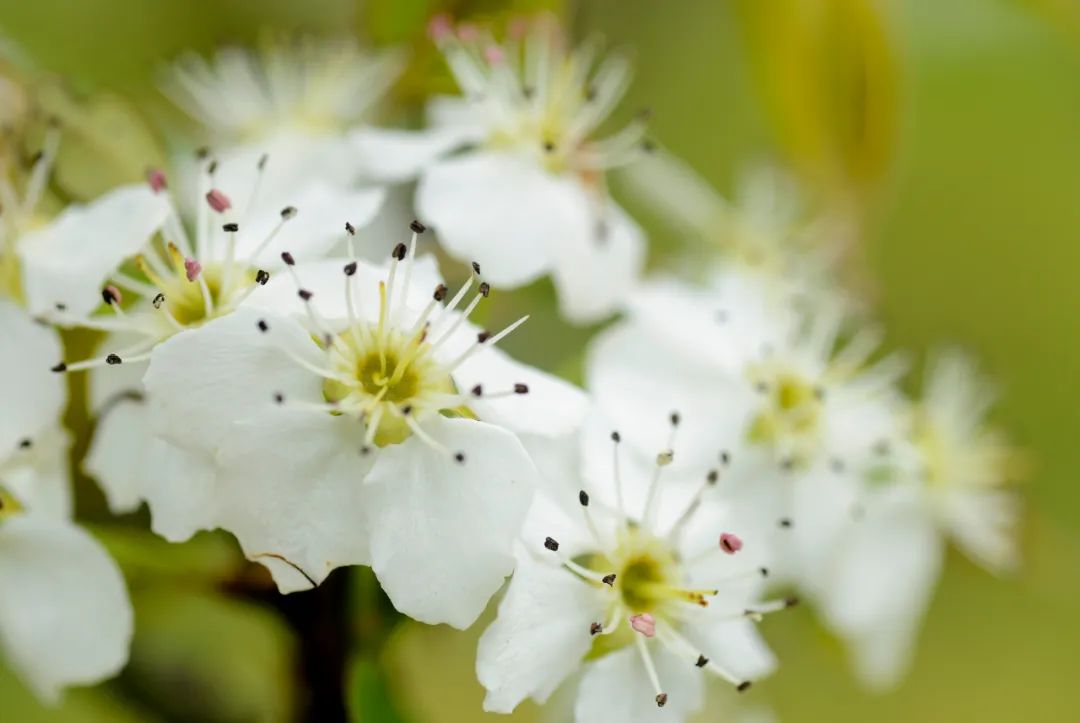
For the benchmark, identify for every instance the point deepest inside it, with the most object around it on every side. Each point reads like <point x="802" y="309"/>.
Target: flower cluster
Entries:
<point x="266" y="368"/>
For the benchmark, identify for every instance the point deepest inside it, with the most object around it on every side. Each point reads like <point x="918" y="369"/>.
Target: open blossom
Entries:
<point x="520" y="144"/>
<point x="764" y="230"/>
<point x="157" y="273"/>
<point x="944" y="475"/>
<point x="355" y="416"/>
<point x="646" y="610"/>
<point x="64" y="614"/>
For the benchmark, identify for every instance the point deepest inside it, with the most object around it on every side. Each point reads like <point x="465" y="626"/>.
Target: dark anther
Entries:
<point x="350" y="229"/>
<point x="725" y="458"/>
<point x="440" y="292"/>
<point x="26" y="443"/>
<point x="648" y="146"/>
<point x="262" y="161"/>
<point x="60" y="306"/>
<point x="478" y="390"/>
<point x="279" y="397"/>
<point x="288" y="258"/>
<point x="675" y="418"/>
<point x="608" y="580"/>
<point x="764" y="571"/>
<point x="785" y="522"/>
<point x="61" y="367"/>
<point x="583" y="498"/>
<point x="417" y="227"/>
<point x="304" y="294"/>
<point x="109" y="295"/>
<point x="483" y="336"/>
<point x="485" y="289"/>
<point x="212" y="168"/>
<point x="521" y="388"/>
<point x="712" y="477"/>
<point x="791" y="602"/>
<point x="399" y="252"/>
<point x="288" y="212"/>
<point x="551" y="544"/>
<point x="549" y="147"/>
<point x="702" y="661"/>
<point x="261" y="277"/>
<point x="231" y="227"/>
<point x="158" y="300"/>
<point x="350" y="268"/>
<point x="263" y="326"/>
<point x="743" y="686"/>
<point x="661" y="700"/>
<point x="459" y="458"/>
<point x="475" y="267"/>
<point x="595" y="629"/>
<point x="616" y="437"/>
<point x="113" y="359"/>
<point x="202" y="152"/>
<point x="406" y="410"/>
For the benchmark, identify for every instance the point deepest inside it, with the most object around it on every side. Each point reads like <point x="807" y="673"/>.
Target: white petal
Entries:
<point x="121" y="453"/>
<point x="540" y="635"/>
<point x="202" y="381"/>
<point x="179" y="488"/>
<point x="326" y="281"/>
<point x="884" y="579"/>
<point x="551" y="407"/>
<point x="64" y="614"/>
<point x="502" y="211"/>
<point x="69" y="260"/>
<point x="40" y="478"/>
<point x="617" y="688"/>
<point x="441" y="531"/>
<point x="322" y="209"/>
<point x="33" y="397"/>
<point x="396" y="155"/>
<point x="594" y="274"/>
<point x="736" y="646"/>
<point x="638" y="381"/>
<point x="983" y="523"/>
<point x="291" y="490"/>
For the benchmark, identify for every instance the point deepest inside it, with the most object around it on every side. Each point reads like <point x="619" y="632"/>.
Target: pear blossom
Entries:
<point x="65" y="618"/>
<point x="355" y="416"/>
<point x="520" y="145"/>
<point x="943" y="477"/>
<point x="132" y="252"/>
<point x="765" y="230"/>
<point x="766" y="387"/>
<point x="645" y="610"/>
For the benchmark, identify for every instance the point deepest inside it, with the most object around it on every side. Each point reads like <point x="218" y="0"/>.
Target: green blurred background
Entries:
<point x="950" y="127"/>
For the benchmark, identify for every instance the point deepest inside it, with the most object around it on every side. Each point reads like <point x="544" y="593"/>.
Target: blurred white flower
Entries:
<point x="644" y="609"/>
<point x="519" y="147"/>
<point x="310" y="87"/>
<point x="365" y="423"/>
<point x="945" y="476"/>
<point x="65" y="618"/>
<point x="766" y="230"/>
<point x="156" y="286"/>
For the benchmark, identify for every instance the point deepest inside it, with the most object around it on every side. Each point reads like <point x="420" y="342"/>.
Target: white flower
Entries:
<point x="766" y="230"/>
<point x="527" y="158"/>
<point x="309" y="87"/>
<point x="645" y="609"/>
<point x="110" y="250"/>
<point x="945" y="476"/>
<point x="64" y="614"/>
<point x="796" y="416"/>
<point x="365" y="423"/>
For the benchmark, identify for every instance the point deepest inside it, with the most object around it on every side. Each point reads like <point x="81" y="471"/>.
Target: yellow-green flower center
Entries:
<point x="790" y="414"/>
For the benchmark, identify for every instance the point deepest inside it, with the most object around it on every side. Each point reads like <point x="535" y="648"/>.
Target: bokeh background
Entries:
<point x="950" y="129"/>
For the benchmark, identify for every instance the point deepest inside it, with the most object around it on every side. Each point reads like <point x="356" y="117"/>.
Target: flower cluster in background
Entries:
<point x="305" y="326"/>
